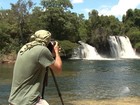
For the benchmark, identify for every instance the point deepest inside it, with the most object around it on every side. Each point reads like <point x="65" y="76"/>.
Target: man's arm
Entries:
<point x="57" y="65"/>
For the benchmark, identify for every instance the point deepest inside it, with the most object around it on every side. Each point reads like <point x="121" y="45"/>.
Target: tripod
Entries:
<point x="46" y="81"/>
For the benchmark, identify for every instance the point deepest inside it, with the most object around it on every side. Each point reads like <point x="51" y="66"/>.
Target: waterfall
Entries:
<point x="121" y="47"/>
<point x="85" y="51"/>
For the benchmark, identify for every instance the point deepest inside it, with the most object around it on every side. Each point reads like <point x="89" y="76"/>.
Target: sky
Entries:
<point x="117" y="8"/>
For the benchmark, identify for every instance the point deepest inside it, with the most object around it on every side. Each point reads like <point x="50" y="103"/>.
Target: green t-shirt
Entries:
<point x="28" y="75"/>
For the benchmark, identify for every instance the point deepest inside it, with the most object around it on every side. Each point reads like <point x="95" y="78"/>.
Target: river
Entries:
<point x="87" y="82"/>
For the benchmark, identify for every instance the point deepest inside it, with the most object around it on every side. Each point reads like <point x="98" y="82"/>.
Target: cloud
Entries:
<point x="87" y="10"/>
<point x="119" y="9"/>
<point x="77" y="1"/>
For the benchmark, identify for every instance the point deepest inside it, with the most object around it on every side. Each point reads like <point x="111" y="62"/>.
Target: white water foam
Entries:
<point x="86" y="51"/>
<point x="121" y="47"/>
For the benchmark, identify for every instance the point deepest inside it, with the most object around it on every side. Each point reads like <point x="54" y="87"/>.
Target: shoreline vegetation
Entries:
<point x="8" y="58"/>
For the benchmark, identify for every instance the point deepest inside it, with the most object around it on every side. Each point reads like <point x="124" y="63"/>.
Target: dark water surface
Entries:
<point x="81" y="79"/>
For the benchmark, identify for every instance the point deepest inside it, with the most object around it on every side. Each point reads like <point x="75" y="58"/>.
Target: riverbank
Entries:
<point x="8" y="58"/>
<point x="118" y="101"/>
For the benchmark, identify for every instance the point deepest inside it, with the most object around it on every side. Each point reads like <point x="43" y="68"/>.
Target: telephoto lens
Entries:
<point x="53" y="42"/>
<point x="51" y="45"/>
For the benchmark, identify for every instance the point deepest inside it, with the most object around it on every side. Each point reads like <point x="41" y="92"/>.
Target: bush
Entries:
<point x="67" y="47"/>
<point x="137" y="47"/>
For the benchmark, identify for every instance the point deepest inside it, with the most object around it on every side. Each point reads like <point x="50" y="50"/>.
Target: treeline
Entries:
<point x="25" y="17"/>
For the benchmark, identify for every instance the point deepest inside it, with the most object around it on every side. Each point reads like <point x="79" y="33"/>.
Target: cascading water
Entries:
<point x="85" y="51"/>
<point x="121" y="47"/>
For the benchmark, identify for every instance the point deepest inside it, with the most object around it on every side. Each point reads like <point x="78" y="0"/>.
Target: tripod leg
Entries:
<point x="45" y="83"/>
<point x="59" y="93"/>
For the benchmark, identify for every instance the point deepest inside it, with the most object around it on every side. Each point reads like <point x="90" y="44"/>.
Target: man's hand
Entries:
<point x="57" y="65"/>
<point x="56" y="48"/>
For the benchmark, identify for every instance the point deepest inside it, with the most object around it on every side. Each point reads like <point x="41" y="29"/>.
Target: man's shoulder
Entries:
<point x="41" y="48"/>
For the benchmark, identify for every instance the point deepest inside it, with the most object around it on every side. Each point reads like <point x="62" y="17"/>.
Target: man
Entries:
<point x="30" y="68"/>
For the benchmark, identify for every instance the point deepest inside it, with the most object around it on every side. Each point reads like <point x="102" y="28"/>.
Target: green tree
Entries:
<point x="54" y="16"/>
<point x="21" y="10"/>
<point x="100" y="28"/>
<point x="6" y="31"/>
<point x="61" y="4"/>
<point x="131" y="22"/>
<point x="38" y="19"/>
<point x="82" y="28"/>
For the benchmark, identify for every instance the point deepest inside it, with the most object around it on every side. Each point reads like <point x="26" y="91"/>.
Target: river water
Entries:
<point x="85" y="80"/>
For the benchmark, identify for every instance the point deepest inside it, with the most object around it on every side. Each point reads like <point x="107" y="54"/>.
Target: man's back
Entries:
<point x="28" y="75"/>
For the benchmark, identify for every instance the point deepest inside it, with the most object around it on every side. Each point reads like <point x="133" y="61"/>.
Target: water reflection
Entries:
<point x="86" y="80"/>
<point x="5" y="82"/>
<point x="100" y="79"/>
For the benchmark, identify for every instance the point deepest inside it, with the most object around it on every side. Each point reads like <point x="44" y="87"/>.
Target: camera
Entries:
<point x="51" y="45"/>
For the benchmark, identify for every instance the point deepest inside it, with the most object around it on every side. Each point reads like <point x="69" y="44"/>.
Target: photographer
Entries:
<point x="30" y="68"/>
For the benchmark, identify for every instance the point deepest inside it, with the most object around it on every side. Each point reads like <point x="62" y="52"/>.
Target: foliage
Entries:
<point x="100" y="28"/>
<point x="21" y="11"/>
<point x="24" y="18"/>
<point x="67" y="47"/>
<point x="137" y="45"/>
<point x="134" y="35"/>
